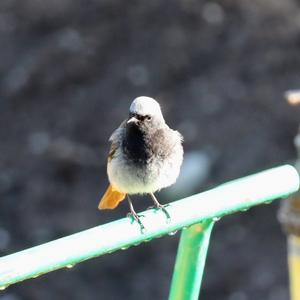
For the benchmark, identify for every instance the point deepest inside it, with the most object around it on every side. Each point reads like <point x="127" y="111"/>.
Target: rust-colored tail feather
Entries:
<point x="111" y="198"/>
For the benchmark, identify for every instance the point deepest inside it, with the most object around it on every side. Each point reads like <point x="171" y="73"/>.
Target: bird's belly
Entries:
<point x="133" y="178"/>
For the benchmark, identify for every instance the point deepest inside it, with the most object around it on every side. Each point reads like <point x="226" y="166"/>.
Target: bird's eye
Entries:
<point x="148" y="117"/>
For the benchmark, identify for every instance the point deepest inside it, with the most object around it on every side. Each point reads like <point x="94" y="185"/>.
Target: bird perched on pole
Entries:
<point x="145" y="156"/>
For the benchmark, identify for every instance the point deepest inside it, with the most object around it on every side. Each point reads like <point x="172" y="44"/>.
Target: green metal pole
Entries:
<point x="190" y="261"/>
<point x="228" y="198"/>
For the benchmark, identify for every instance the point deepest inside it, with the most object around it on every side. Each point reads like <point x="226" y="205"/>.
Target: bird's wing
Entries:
<point x="116" y="139"/>
<point x="112" y="197"/>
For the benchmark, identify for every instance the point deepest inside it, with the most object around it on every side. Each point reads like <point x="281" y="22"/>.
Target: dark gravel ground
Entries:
<point x="69" y="70"/>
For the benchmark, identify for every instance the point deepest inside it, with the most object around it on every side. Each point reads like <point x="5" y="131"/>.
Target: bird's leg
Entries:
<point x="134" y="215"/>
<point x="160" y="206"/>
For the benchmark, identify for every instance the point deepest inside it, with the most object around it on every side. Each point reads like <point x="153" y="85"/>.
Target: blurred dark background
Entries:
<point x="68" y="72"/>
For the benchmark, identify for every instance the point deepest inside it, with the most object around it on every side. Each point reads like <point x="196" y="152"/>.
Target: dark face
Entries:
<point x="138" y="127"/>
<point x="143" y="122"/>
<point x="140" y="118"/>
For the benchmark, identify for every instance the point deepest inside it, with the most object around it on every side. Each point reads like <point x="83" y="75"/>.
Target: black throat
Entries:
<point x="137" y="144"/>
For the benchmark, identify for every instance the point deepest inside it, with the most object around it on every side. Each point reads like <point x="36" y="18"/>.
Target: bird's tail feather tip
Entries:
<point x="111" y="198"/>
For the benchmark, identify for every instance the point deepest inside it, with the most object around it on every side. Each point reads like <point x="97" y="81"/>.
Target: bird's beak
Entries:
<point x="132" y="120"/>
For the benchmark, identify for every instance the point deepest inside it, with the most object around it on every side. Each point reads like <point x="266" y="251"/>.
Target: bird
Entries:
<point x="145" y="156"/>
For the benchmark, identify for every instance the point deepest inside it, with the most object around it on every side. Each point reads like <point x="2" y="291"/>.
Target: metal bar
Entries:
<point x="190" y="261"/>
<point x="228" y="198"/>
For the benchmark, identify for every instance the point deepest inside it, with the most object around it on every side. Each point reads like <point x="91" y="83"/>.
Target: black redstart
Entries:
<point x="145" y="156"/>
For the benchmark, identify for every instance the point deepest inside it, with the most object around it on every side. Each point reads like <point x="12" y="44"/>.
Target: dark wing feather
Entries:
<point x="116" y="139"/>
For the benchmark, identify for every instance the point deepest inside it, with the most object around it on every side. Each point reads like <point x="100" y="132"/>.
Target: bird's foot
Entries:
<point x="163" y="209"/>
<point x="135" y="217"/>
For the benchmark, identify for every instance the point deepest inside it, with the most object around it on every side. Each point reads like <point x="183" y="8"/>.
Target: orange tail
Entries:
<point x="111" y="198"/>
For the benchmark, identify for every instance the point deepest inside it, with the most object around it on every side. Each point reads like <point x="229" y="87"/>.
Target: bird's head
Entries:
<point x="145" y="112"/>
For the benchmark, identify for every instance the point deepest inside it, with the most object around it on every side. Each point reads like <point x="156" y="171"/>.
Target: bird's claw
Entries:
<point x="163" y="209"/>
<point x="136" y="217"/>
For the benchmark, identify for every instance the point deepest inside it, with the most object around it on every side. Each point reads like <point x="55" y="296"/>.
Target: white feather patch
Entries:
<point x="145" y="106"/>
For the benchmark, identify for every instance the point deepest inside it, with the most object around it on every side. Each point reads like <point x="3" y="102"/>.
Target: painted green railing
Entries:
<point x="194" y="215"/>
